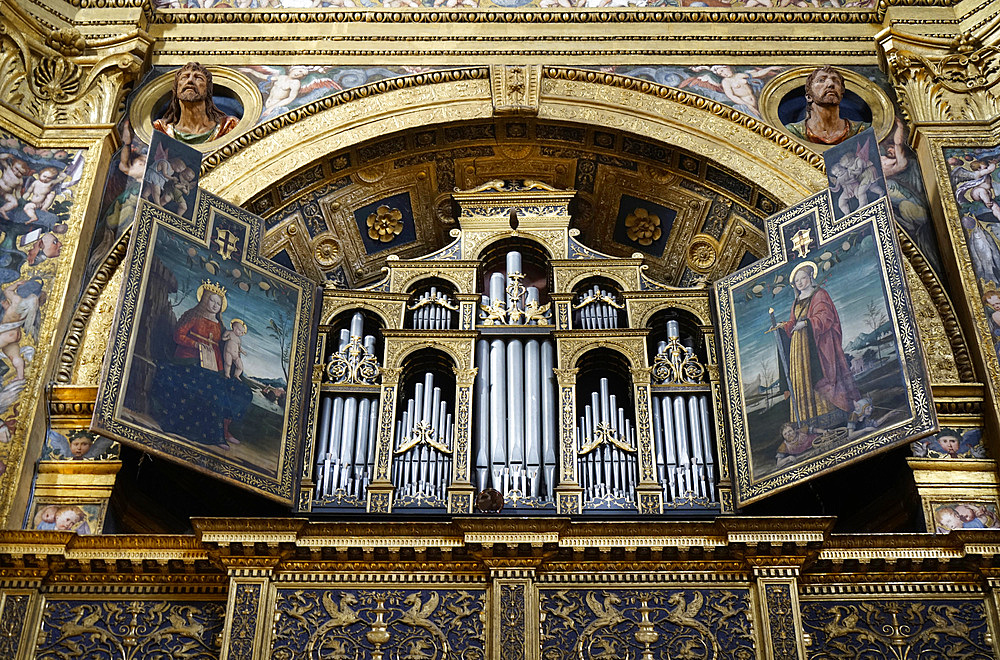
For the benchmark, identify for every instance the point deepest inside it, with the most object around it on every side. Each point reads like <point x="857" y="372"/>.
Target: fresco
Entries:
<point x="819" y="348"/>
<point x="975" y="184"/>
<point x="81" y="517"/>
<point x="285" y="88"/>
<point x="951" y="443"/>
<point x="36" y="194"/>
<point x="78" y="445"/>
<point x="964" y="514"/>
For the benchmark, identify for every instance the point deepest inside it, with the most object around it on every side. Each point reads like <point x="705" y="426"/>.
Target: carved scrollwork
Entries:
<point x="956" y="80"/>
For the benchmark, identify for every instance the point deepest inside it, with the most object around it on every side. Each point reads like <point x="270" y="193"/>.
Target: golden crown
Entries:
<point x="212" y="287"/>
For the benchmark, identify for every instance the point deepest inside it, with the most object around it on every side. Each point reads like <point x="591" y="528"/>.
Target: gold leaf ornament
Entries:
<point x="56" y="79"/>
<point x="643" y="227"/>
<point x="385" y="224"/>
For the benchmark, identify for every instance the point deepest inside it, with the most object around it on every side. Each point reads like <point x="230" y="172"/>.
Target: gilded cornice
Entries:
<point x="56" y="78"/>
<point x="728" y="549"/>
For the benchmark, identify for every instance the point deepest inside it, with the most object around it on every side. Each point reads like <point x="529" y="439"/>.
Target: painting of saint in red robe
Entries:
<point x="818" y="380"/>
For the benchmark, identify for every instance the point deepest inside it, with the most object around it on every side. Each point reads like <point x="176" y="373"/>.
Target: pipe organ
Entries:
<point x="597" y="309"/>
<point x="511" y="312"/>
<point x="348" y="422"/>
<point x="432" y="310"/>
<point x="607" y="452"/>
<point x="682" y="425"/>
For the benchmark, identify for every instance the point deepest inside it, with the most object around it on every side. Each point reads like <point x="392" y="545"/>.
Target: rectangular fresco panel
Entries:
<point x="211" y="348"/>
<point x="820" y="349"/>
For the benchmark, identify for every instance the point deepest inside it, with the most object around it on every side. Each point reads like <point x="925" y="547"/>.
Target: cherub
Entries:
<point x="46" y="518"/>
<point x="286" y="86"/>
<point x="231" y="352"/>
<point x="80" y="444"/>
<point x="71" y="519"/>
<point x="11" y="181"/>
<point x="977" y="184"/>
<point x="855" y="177"/>
<point x="21" y="304"/>
<point x="738" y="87"/>
<point x="41" y="192"/>
<point x="947" y="519"/>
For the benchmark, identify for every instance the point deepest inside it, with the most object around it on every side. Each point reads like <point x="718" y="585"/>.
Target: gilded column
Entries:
<point x="20" y="610"/>
<point x="244" y="636"/>
<point x="461" y="491"/>
<point x="780" y="620"/>
<point x="514" y="614"/>
<point x="569" y="495"/>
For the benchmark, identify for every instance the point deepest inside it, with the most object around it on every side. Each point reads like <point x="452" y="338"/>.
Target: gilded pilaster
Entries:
<point x="380" y="491"/>
<point x="461" y="492"/>
<point x="249" y="596"/>
<point x="780" y="620"/>
<point x="569" y="495"/>
<point x="515" y="614"/>
<point x="949" y="89"/>
<point x="649" y="493"/>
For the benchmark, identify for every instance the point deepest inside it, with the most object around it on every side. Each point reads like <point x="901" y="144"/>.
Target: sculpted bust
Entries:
<point x="823" y="124"/>
<point x="192" y="116"/>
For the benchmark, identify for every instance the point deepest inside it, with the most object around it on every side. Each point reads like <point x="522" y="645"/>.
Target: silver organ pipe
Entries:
<point x="682" y="426"/>
<point x="515" y="392"/>
<point x="432" y="311"/>
<point x="348" y="420"/>
<point x="422" y="447"/>
<point x="597" y="309"/>
<point x="606" y="451"/>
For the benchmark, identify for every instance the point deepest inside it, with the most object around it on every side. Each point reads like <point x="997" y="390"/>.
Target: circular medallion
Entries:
<point x="326" y="251"/>
<point x="702" y="253"/>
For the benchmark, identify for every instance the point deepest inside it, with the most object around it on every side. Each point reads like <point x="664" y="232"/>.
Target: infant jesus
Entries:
<point x="232" y="350"/>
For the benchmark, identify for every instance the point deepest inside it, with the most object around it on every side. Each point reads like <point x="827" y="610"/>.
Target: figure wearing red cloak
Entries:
<point x="819" y="374"/>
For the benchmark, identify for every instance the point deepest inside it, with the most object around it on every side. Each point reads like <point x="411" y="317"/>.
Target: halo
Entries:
<point x="805" y="264"/>
<point x="241" y="322"/>
<point x="201" y="292"/>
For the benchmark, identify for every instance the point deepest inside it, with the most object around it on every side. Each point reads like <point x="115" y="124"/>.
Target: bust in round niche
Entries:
<point x="191" y="115"/>
<point x="831" y="116"/>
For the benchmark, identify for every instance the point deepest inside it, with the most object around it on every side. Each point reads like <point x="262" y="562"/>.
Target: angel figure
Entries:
<point x="22" y="314"/>
<point x="855" y="177"/>
<point x="741" y="88"/>
<point x="974" y="183"/>
<point x="283" y="86"/>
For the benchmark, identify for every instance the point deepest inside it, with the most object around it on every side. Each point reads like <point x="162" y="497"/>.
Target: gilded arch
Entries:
<point x="762" y="154"/>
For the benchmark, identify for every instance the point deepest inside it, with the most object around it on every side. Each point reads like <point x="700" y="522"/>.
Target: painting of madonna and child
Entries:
<point x="821" y="346"/>
<point x="211" y="349"/>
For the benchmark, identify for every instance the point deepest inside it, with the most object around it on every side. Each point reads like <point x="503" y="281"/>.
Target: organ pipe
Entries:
<point x="422" y="446"/>
<point x="606" y="449"/>
<point x="348" y="420"/>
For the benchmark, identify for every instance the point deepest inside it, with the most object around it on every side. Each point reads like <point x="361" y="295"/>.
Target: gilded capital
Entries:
<point x="943" y="80"/>
<point x="46" y="76"/>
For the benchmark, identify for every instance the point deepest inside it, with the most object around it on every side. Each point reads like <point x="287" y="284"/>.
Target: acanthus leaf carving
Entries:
<point x="945" y="81"/>
<point x="52" y="84"/>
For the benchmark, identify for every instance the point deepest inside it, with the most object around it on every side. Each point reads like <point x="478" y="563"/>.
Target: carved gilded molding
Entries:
<point x="516" y="88"/>
<point x="81" y="322"/>
<point x="940" y="80"/>
<point x="265" y="154"/>
<point x="48" y="79"/>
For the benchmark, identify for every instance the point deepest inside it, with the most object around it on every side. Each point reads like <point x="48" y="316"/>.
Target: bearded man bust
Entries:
<point x="192" y="116"/>
<point x="823" y="124"/>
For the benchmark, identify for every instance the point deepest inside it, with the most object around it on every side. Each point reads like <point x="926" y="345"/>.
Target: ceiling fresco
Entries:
<point x="341" y="217"/>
